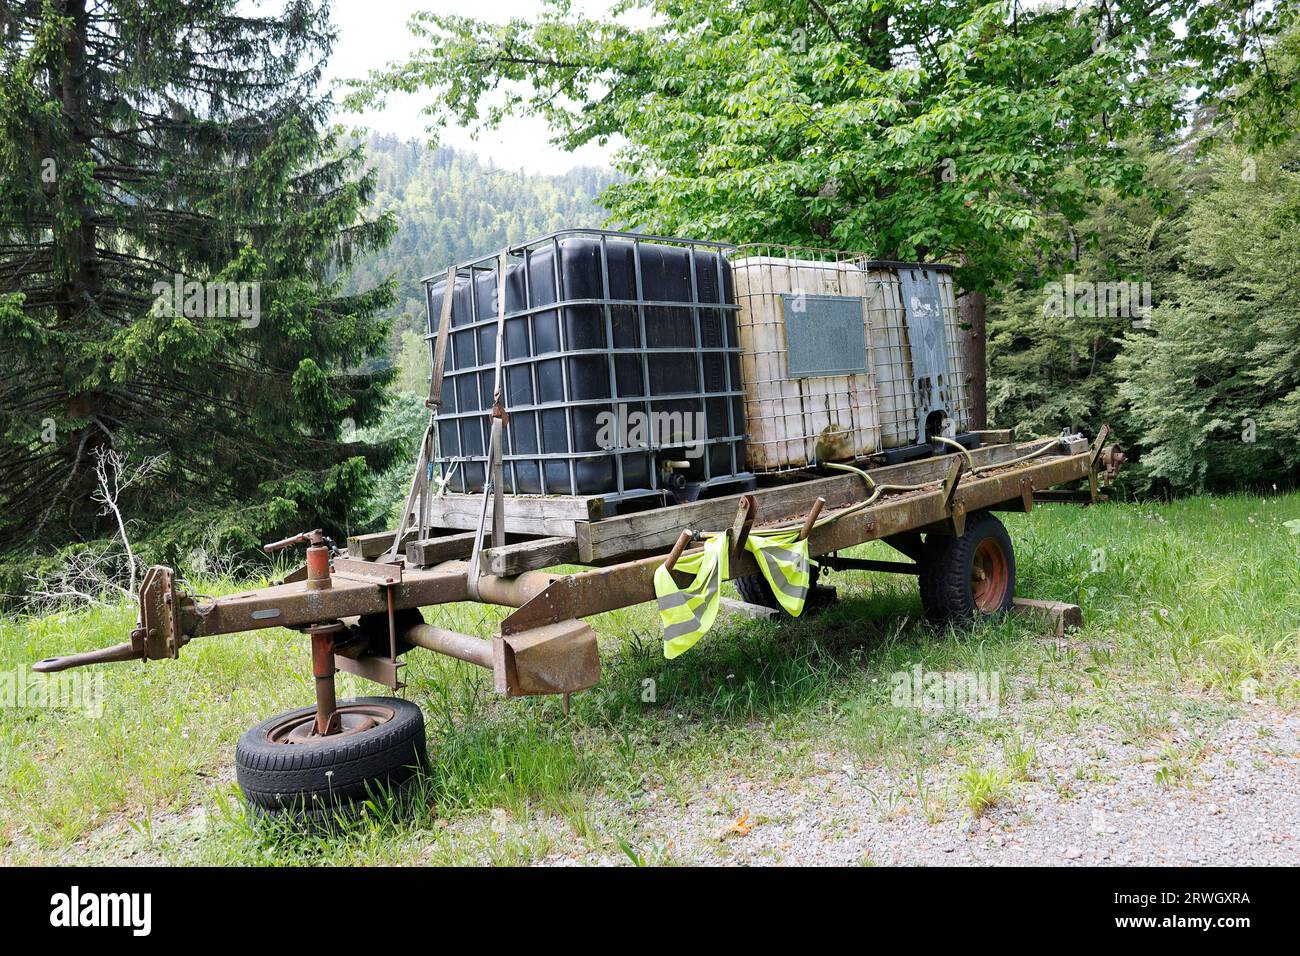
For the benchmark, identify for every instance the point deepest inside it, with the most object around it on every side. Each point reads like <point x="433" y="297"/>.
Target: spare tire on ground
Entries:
<point x="283" y="766"/>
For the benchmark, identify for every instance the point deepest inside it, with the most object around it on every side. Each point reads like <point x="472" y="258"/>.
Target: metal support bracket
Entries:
<point x="1023" y="504"/>
<point x="740" y="527"/>
<point x="159" y="635"/>
<point x="368" y="572"/>
<point x="375" y="667"/>
<point x="955" y="522"/>
<point x="1098" y="443"/>
<point x="553" y="659"/>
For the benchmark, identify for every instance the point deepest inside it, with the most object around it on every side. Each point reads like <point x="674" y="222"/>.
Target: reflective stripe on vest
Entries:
<point x="783" y="560"/>
<point x="687" y="613"/>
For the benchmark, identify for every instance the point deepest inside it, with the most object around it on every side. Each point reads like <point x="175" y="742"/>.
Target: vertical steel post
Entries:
<point x="322" y="668"/>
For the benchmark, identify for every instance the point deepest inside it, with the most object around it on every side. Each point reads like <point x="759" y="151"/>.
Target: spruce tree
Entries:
<point x="1213" y="387"/>
<point x="1055" y="329"/>
<point x="149" y="147"/>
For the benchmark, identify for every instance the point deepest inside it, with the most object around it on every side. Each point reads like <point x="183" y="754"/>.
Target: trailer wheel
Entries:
<point x="969" y="576"/>
<point x="754" y="589"/>
<point x="282" y="765"/>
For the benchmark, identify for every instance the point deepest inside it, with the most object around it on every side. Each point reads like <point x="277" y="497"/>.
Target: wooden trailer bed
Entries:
<point x="360" y="606"/>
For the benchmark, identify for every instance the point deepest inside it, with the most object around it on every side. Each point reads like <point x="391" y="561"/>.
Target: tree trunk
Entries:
<point x="970" y="309"/>
<point x="81" y="285"/>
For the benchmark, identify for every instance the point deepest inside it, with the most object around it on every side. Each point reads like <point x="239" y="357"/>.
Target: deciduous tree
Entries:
<point x="905" y="129"/>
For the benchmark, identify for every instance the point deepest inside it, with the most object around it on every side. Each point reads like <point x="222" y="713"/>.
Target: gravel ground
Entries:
<point x="1235" y="801"/>
<point x="1207" y="793"/>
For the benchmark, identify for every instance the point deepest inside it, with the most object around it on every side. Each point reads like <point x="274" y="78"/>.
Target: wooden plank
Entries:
<point x="443" y="544"/>
<point x="994" y="436"/>
<point x="535" y="515"/>
<point x="649" y="531"/>
<point x="367" y="546"/>
<point x="447" y="547"/>
<point x="754" y="612"/>
<point x="1058" y="615"/>
<point x="532" y="555"/>
<point x="451" y="547"/>
<point x="605" y="589"/>
<point x="657" y="529"/>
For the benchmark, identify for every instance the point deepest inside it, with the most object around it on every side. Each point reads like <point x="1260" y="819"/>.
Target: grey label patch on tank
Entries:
<point x="825" y="335"/>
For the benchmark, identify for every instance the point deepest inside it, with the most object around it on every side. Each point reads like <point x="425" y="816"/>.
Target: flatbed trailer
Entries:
<point x="360" y="606"/>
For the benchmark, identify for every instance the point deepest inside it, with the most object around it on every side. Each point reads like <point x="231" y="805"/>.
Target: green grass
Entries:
<point x="983" y="787"/>
<point x="1188" y="608"/>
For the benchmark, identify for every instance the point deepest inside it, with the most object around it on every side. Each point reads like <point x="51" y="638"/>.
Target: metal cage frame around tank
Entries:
<point x="729" y="350"/>
<point x="893" y="354"/>
<point x="769" y="347"/>
<point x="889" y="373"/>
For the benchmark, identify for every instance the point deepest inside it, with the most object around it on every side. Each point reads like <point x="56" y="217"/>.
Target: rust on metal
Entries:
<point x="683" y="540"/>
<point x="318" y="568"/>
<point x="1111" y="460"/>
<point x="463" y="647"/>
<point x="104" y="655"/>
<point x="557" y="658"/>
<point x="352" y="718"/>
<point x="161" y="632"/>
<point x="740" y="526"/>
<point x="323" y="670"/>
<point x="381" y="670"/>
<point x="367" y="572"/>
<point x="811" y="520"/>
<point x="318" y="556"/>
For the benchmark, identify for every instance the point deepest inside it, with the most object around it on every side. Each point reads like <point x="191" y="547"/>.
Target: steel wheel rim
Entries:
<point x="300" y="728"/>
<point x="990" y="576"/>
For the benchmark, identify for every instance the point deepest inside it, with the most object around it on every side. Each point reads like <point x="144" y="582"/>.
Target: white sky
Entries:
<point x="372" y="33"/>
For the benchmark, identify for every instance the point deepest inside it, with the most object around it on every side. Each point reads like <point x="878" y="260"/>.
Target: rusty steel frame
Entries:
<point x="543" y="646"/>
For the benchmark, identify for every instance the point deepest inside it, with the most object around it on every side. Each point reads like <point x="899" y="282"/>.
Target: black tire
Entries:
<point x="754" y="589"/>
<point x="324" y="773"/>
<point x="949" y="588"/>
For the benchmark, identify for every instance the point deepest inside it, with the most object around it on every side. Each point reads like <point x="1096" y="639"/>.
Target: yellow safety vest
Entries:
<point x="687" y="613"/>
<point x="783" y="559"/>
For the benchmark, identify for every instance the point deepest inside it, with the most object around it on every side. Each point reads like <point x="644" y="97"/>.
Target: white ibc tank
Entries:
<point x="795" y="419"/>
<point x="843" y="357"/>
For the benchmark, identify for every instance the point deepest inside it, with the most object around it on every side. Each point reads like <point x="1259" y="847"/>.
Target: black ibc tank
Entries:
<point x="621" y="368"/>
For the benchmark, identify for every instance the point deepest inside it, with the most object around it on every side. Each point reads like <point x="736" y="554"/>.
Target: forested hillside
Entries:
<point x="450" y="206"/>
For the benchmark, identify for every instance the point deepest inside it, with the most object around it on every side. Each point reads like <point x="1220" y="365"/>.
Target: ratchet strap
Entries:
<point x="422" y="479"/>
<point x="440" y="345"/>
<point x="420" y="482"/>
<point x="687" y="613"/>
<point x="494" y="480"/>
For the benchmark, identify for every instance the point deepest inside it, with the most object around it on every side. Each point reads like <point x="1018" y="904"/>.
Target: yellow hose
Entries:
<point x="970" y="462"/>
